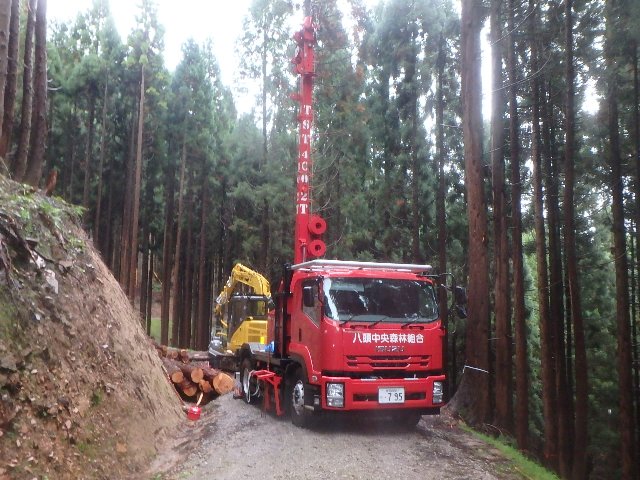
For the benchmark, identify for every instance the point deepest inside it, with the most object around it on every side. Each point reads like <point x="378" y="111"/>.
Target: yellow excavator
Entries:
<point x="240" y="317"/>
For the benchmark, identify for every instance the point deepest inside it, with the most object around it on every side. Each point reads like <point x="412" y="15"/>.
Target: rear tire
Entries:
<point x="250" y="390"/>
<point x="300" y="416"/>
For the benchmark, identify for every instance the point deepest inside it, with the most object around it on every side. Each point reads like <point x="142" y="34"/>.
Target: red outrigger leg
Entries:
<point x="270" y="378"/>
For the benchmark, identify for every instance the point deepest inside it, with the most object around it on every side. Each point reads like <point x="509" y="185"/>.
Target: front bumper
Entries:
<point x="362" y="394"/>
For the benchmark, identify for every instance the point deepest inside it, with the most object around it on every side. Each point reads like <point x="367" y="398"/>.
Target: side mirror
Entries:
<point x="460" y="298"/>
<point x="308" y="296"/>
<point x="460" y="295"/>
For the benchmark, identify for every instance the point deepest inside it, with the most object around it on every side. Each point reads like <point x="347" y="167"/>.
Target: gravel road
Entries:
<point x="235" y="440"/>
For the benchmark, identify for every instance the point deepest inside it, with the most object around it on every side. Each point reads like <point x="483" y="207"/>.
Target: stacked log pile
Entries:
<point x="192" y="377"/>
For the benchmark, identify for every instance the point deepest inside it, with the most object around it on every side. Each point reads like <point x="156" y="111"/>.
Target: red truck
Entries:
<point x="344" y="335"/>
<point x="351" y="336"/>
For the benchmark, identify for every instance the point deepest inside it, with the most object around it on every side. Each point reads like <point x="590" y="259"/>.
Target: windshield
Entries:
<point x="242" y="307"/>
<point x="379" y="300"/>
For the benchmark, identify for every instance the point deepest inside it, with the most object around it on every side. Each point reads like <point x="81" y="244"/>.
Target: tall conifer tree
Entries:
<point x="473" y="393"/>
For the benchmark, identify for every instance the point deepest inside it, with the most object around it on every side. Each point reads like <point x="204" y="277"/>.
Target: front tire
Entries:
<point x="300" y="416"/>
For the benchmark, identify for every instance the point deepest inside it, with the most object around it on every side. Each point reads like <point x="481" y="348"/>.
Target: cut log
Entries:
<point x="173" y="370"/>
<point x="205" y="386"/>
<point x="189" y="378"/>
<point x="210" y="373"/>
<point x="223" y="383"/>
<point x="165" y="351"/>
<point x="184" y="355"/>
<point x="187" y="387"/>
<point x="199" y="356"/>
<point x="192" y="372"/>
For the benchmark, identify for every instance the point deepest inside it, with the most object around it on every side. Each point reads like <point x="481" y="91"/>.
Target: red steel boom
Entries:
<point x="308" y="227"/>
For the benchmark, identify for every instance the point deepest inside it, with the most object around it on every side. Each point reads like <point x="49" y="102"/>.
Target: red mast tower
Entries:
<point x="307" y="244"/>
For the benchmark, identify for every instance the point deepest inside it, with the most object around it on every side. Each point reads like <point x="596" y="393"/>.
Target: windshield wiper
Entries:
<point x="373" y="324"/>
<point x="410" y="322"/>
<point x="348" y="319"/>
<point x="414" y="319"/>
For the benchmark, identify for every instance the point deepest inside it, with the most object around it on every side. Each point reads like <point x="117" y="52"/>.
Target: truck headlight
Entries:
<point x="438" y="392"/>
<point x="335" y="395"/>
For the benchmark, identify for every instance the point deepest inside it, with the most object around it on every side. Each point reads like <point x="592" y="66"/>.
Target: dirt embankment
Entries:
<point x="82" y="391"/>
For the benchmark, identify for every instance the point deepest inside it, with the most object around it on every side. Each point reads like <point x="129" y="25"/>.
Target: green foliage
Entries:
<point x="520" y="464"/>
<point x="96" y="398"/>
<point x="8" y="313"/>
<point x="155" y="329"/>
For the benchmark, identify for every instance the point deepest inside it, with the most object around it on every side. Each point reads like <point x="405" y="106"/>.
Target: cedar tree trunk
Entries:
<point x="38" y="134"/>
<point x="472" y="396"/>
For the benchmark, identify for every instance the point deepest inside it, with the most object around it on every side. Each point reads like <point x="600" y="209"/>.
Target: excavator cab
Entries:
<point x="245" y="317"/>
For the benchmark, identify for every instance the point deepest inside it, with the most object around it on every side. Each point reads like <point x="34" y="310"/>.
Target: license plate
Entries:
<point x="391" y="395"/>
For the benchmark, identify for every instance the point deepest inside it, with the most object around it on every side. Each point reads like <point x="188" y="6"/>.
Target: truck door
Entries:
<point x="307" y="332"/>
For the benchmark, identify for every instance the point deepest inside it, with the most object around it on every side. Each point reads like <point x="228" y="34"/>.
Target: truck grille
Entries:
<point x="386" y="374"/>
<point x="384" y="362"/>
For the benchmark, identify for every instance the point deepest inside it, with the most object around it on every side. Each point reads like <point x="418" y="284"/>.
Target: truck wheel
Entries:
<point x="300" y="417"/>
<point x="249" y="385"/>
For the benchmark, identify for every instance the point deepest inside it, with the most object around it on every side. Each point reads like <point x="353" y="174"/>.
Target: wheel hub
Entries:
<point x="297" y="399"/>
<point x="246" y="384"/>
